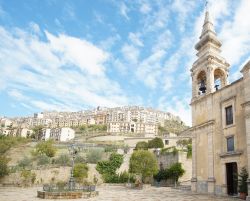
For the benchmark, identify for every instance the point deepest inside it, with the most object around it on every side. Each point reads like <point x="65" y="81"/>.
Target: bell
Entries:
<point x="202" y="87"/>
<point x="216" y="87"/>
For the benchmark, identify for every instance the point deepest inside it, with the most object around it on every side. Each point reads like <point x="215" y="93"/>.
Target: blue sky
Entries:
<point x="74" y="55"/>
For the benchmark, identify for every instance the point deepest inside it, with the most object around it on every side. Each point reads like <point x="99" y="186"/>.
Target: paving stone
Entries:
<point x="115" y="193"/>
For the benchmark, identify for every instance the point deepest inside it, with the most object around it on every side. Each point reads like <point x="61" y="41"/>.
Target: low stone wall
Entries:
<point x="65" y="195"/>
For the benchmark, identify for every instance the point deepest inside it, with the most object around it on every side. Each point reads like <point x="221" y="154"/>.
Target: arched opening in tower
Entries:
<point x="219" y="79"/>
<point x="201" y="83"/>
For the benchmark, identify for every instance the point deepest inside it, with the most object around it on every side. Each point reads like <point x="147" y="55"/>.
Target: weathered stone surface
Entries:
<point x="116" y="193"/>
<point x="65" y="195"/>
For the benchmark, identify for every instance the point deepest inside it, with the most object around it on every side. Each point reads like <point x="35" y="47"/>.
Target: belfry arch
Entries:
<point x="220" y="78"/>
<point x="201" y="81"/>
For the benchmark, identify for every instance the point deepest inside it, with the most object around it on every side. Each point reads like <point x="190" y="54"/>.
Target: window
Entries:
<point x="166" y="142"/>
<point x="229" y="115"/>
<point x="230" y="144"/>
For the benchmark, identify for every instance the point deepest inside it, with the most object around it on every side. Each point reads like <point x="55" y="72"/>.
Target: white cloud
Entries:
<point x="156" y="19"/>
<point x="17" y="94"/>
<point x="149" y="70"/>
<point x="78" y="52"/>
<point x="219" y="9"/>
<point x="135" y="39"/>
<point x="108" y="43"/>
<point x="67" y="72"/>
<point x="145" y="8"/>
<point x="167" y="83"/>
<point x="236" y="34"/>
<point x="34" y="27"/>
<point x="69" y="12"/>
<point x="182" y="8"/>
<point x="177" y="106"/>
<point x="163" y="41"/>
<point x="124" y="10"/>
<point x="130" y="53"/>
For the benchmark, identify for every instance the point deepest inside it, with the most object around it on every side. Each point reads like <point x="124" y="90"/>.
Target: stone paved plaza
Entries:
<point x="116" y="193"/>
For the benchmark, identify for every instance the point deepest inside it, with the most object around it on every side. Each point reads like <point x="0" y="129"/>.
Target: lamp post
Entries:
<point x="72" y="151"/>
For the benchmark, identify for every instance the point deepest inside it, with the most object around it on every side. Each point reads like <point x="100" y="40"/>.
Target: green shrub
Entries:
<point x="184" y="143"/>
<point x="155" y="143"/>
<point x="110" y="148"/>
<point x="189" y="151"/>
<point x="116" y="160"/>
<point x="94" y="155"/>
<point x="25" y="163"/>
<point x="141" y="145"/>
<point x="61" y="185"/>
<point x="110" y="178"/>
<point x="108" y="168"/>
<point x="175" y="171"/>
<point x="6" y="142"/>
<point x="63" y="160"/>
<point x="46" y="147"/>
<point x="43" y="160"/>
<point x="4" y="166"/>
<point x="143" y="162"/>
<point x="125" y="177"/>
<point x="161" y="175"/>
<point x="28" y="177"/>
<point x="80" y="171"/>
<point x="169" y="150"/>
<point x="243" y="176"/>
<point x="80" y="159"/>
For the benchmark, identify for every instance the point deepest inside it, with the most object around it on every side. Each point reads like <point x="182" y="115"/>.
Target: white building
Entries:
<point x="6" y="122"/>
<point x="58" y="134"/>
<point x="45" y="135"/>
<point x="25" y="132"/>
<point x="62" y="134"/>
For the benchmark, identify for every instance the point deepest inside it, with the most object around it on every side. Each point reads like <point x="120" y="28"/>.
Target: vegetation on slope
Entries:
<point x="172" y="126"/>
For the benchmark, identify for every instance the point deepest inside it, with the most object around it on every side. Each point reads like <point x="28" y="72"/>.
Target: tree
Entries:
<point x="94" y="155"/>
<point x="143" y="162"/>
<point x="80" y="171"/>
<point x="4" y="166"/>
<point x="108" y="168"/>
<point x="155" y="143"/>
<point x="175" y="171"/>
<point x="141" y="145"/>
<point x="243" y="176"/>
<point x="162" y="130"/>
<point x="184" y="143"/>
<point x="37" y="130"/>
<point x="46" y="147"/>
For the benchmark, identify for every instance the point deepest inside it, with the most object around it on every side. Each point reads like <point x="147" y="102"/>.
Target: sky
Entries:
<point x="71" y="55"/>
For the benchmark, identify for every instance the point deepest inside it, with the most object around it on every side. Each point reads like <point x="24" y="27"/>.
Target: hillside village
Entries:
<point x="98" y="134"/>
<point x="128" y="152"/>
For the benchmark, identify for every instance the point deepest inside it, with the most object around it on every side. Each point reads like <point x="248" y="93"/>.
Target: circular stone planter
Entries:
<point x="66" y="195"/>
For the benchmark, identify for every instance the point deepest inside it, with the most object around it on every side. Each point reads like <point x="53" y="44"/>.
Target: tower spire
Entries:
<point x="210" y="65"/>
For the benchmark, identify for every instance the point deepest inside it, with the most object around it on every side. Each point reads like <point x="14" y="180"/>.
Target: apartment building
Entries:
<point x="58" y="134"/>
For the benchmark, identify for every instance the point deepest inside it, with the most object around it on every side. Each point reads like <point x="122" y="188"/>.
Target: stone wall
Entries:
<point x="168" y="159"/>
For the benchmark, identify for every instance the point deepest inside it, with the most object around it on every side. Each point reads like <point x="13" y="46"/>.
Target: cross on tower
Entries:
<point x="206" y="5"/>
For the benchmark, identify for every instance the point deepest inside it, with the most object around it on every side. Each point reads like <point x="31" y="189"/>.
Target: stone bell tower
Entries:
<point x="210" y="71"/>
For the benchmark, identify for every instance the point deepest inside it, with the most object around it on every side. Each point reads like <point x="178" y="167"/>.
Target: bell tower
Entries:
<point x="210" y="71"/>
